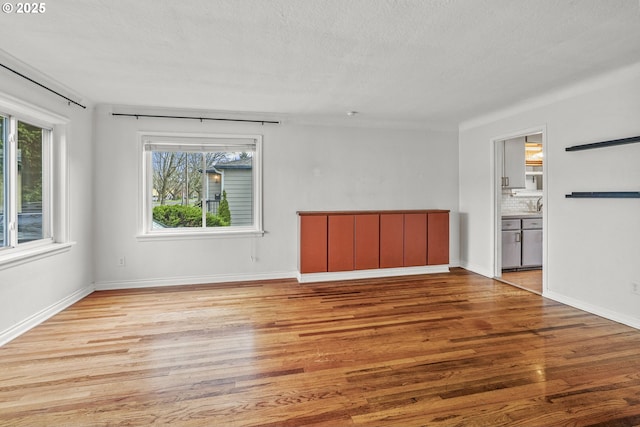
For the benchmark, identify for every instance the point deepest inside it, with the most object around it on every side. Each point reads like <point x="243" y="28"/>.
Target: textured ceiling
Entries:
<point x="427" y="61"/>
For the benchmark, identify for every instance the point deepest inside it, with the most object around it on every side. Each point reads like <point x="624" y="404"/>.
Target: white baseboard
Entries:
<point x="34" y="320"/>
<point x="477" y="269"/>
<point x="191" y="280"/>
<point x="634" y="322"/>
<point x="371" y="274"/>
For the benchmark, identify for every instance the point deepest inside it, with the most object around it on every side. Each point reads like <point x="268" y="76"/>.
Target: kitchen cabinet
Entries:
<point x="511" y="244"/>
<point x="531" y="242"/>
<point x="513" y="163"/>
<point x="521" y="242"/>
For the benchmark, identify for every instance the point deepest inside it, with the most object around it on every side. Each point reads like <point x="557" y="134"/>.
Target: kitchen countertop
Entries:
<point x="515" y="215"/>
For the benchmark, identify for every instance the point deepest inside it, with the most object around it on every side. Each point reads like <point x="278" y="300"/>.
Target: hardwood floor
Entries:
<point x="527" y="279"/>
<point x="452" y="349"/>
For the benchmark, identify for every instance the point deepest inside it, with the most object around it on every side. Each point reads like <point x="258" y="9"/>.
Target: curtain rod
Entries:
<point x="69" y="100"/>
<point x="602" y="144"/>
<point x="156" y="116"/>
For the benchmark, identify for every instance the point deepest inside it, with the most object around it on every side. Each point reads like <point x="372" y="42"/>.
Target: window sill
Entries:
<point x="186" y="235"/>
<point x="15" y="257"/>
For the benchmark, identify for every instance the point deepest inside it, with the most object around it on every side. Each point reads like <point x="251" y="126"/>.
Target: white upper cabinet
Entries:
<point x="513" y="165"/>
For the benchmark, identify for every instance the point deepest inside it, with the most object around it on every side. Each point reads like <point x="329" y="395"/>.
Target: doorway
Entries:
<point x="519" y="201"/>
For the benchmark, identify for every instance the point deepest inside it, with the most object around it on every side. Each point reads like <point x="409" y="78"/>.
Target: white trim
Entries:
<point x="634" y="322"/>
<point x="191" y="280"/>
<point x="145" y="222"/>
<point x="18" y="256"/>
<point x="198" y="233"/>
<point x="496" y="194"/>
<point x="371" y="274"/>
<point x="56" y="177"/>
<point x="477" y="269"/>
<point x="39" y="317"/>
<point x="36" y="74"/>
<point x="30" y="113"/>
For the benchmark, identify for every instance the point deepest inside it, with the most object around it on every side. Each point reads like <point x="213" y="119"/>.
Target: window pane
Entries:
<point x="30" y="180"/>
<point x="184" y="182"/>
<point x="177" y="189"/>
<point x="229" y="192"/>
<point x="3" y="180"/>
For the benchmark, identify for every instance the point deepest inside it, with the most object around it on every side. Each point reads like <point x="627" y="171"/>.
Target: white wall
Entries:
<point x="305" y="167"/>
<point x="32" y="291"/>
<point x="593" y="244"/>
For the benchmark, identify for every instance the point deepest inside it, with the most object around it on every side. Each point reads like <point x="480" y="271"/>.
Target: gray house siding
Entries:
<point x="236" y="178"/>
<point x="238" y="183"/>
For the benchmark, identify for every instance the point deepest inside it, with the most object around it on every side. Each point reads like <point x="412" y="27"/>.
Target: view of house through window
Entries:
<point x="23" y="183"/>
<point x="185" y="182"/>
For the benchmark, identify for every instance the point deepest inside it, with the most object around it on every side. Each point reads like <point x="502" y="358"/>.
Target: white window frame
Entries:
<point x="145" y="184"/>
<point x="55" y="190"/>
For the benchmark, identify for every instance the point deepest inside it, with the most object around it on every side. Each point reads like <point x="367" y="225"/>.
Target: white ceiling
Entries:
<point x="426" y="61"/>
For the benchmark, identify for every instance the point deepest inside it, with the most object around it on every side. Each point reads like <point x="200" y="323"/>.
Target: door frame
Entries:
<point x="496" y="192"/>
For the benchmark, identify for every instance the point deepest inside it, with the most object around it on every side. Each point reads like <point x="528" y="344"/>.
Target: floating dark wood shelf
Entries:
<point x="604" y="144"/>
<point x="604" y="195"/>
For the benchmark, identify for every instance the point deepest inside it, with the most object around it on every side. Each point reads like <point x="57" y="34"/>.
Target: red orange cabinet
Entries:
<point x="368" y="240"/>
<point x="391" y="240"/>
<point x="340" y="232"/>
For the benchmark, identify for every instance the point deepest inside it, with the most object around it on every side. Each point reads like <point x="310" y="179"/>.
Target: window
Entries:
<point x="200" y="184"/>
<point x="34" y="220"/>
<point x="25" y="211"/>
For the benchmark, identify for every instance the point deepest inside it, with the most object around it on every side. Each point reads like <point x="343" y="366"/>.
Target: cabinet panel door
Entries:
<point x="341" y="241"/>
<point x="514" y="162"/>
<point x="313" y="244"/>
<point x="511" y="249"/>
<point x="531" y="248"/>
<point x="367" y="251"/>
<point x="415" y="239"/>
<point x="438" y="238"/>
<point x="391" y="240"/>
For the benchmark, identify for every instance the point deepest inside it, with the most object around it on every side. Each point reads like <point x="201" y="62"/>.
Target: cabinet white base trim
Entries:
<point x="593" y="309"/>
<point x="371" y="274"/>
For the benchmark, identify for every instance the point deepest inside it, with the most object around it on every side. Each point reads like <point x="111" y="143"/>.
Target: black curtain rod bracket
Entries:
<point x="202" y="119"/>
<point x="69" y="100"/>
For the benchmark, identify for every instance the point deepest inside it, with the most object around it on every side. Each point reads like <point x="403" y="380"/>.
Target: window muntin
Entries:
<point x="24" y="188"/>
<point x="182" y="174"/>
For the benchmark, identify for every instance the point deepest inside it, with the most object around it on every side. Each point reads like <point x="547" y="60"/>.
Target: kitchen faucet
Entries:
<point x="539" y="204"/>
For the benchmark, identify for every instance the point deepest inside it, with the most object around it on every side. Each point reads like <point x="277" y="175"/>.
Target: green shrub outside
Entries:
<point x="223" y="209"/>
<point x="172" y="216"/>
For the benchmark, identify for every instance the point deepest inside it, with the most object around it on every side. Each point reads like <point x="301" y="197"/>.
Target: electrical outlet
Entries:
<point x="121" y="261"/>
<point x="635" y="288"/>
